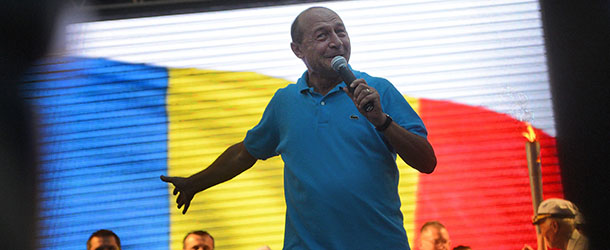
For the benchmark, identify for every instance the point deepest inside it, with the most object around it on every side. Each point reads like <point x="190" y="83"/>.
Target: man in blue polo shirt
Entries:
<point x="340" y="173"/>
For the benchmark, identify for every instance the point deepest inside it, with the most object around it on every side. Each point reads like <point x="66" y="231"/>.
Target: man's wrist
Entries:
<point x="385" y="125"/>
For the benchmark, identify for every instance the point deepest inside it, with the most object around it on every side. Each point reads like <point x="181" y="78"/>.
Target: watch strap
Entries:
<point x="386" y="124"/>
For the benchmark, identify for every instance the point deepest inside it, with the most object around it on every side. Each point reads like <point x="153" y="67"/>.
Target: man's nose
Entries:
<point x="335" y="41"/>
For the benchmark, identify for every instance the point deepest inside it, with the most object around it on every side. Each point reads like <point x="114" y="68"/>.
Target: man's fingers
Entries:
<point x="165" y="178"/>
<point x="364" y="95"/>
<point x="357" y="82"/>
<point x="186" y="207"/>
<point x="180" y="199"/>
<point x="357" y="91"/>
<point x="366" y="100"/>
<point x="362" y="90"/>
<point x="171" y="180"/>
<point x="361" y="96"/>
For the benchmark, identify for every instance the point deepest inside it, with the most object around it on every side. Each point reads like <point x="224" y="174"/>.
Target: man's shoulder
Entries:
<point x="287" y="92"/>
<point x="374" y="81"/>
<point x="288" y="89"/>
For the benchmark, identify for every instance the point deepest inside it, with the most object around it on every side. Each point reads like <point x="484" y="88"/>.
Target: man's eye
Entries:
<point x="321" y="36"/>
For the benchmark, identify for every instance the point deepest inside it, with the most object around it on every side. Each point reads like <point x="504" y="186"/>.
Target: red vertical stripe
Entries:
<point x="480" y="190"/>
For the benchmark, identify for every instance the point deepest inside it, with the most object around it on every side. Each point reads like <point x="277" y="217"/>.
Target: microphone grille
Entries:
<point x="338" y="62"/>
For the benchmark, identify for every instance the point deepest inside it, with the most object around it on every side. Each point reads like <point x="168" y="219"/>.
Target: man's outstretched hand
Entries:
<point x="229" y="164"/>
<point x="181" y="186"/>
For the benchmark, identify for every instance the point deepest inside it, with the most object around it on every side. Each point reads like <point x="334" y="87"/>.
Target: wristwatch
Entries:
<point x="386" y="124"/>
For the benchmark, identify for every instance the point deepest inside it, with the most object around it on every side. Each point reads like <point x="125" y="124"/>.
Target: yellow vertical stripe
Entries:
<point x="407" y="187"/>
<point x="209" y="111"/>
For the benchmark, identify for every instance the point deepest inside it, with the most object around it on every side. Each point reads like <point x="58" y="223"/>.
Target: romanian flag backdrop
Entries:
<point x="130" y="100"/>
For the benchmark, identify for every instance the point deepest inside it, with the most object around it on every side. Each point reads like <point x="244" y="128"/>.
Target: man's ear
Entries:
<point x="296" y="49"/>
<point x="554" y="225"/>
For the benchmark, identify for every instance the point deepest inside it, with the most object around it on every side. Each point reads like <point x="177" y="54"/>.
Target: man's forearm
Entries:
<point x="413" y="149"/>
<point x="229" y="164"/>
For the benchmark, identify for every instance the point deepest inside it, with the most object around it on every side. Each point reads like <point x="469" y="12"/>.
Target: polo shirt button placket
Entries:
<point x="323" y="114"/>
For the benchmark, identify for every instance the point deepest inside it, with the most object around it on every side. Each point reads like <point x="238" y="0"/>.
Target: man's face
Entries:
<point x="104" y="243"/>
<point x="198" y="242"/>
<point x="324" y="37"/>
<point x="434" y="238"/>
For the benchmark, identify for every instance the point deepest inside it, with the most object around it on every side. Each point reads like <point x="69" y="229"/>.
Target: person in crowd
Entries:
<point x="557" y="219"/>
<point x="198" y="240"/>
<point x="434" y="236"/>
<point x="103" y="240"/>
<point x="340" y="172"/>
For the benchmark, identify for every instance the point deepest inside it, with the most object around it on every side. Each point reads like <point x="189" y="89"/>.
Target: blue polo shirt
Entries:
<point x="340" y="174"/>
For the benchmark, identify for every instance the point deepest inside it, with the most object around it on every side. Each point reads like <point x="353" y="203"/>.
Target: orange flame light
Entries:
<point x="530" y="135"/>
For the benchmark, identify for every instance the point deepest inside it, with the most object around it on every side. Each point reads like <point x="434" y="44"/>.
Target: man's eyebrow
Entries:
<point x="320" y="28"/>
<point x="324" y="27"/>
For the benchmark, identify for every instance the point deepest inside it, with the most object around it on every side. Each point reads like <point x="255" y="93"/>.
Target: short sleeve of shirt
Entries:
<point x="262" y="140"/>
<point x="395" y="105"/>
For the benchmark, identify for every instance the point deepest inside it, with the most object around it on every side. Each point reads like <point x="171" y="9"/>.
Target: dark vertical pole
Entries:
<point x="26" y="28"/>
<point x="532" y="152"/>
<point x="577" y="35"/>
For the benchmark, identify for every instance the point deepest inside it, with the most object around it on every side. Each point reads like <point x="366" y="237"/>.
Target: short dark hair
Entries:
<point x="462" y="247"/>
<point x="296" y="33"/>
<point x="200" y="233"/>
<point x="103" y="233"/>
<point x="433" y="223"/>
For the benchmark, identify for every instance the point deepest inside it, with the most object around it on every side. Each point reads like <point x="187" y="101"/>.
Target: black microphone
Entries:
<point x="339" y="64"/>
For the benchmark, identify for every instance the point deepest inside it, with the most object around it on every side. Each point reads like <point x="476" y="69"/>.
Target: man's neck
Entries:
<point x="322" y="84"/>
<point x="563" y="241"/>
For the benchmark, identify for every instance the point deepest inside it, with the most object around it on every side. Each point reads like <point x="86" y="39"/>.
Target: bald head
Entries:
<point x="434" y="236"/>
<point x="296" y="31"/>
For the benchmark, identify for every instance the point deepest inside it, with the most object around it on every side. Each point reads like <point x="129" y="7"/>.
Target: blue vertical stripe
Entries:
<point x="103" y="128"/>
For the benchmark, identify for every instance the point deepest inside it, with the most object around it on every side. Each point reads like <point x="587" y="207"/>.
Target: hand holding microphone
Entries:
<point x="339" y="64"/>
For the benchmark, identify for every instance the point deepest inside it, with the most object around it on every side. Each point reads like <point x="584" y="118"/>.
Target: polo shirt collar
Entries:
<point x="302" y="83"/>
